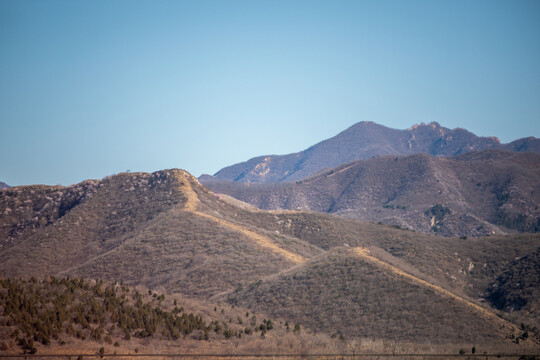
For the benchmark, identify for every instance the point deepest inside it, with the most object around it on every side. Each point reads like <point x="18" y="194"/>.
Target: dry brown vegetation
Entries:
<point x="165" y="231"/>
<point x="492" y="191"/>
<point x="371" y="303"/>
<point x="78" y="316"/>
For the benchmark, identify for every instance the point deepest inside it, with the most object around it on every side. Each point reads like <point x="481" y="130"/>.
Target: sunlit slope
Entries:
<point x="463" y="265"/>
<point x="349" y="291"/>
<point x="164" y="230"/>
<point x="162" y="235"/>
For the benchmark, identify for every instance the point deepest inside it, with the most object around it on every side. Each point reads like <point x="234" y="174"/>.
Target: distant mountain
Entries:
<point x="363" y="141"/>
<point x="3" y="185"/>
<point x="477" y="193"/>
<point x="328" y="274"/>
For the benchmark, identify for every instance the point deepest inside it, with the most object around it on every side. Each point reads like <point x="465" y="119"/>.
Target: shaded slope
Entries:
<point x="517" y="288"/>
<point x="99" y="216"/>
<point x="484" y="192"/>
<point x="27" y="209"/>
<point x="530" y="144"/>
<point x="363" y="141"/>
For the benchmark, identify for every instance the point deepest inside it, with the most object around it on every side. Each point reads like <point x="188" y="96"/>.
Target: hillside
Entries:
<point x="474" y="194"/>
<point x="77" y="316"/>
<point x="3" y="185"/>
<point x="138" y="228"/>
<point x="363" y="141"/>
<point x="517" y="287"/>
<point x="375" y="301"/>
<point x="166" y="231"/>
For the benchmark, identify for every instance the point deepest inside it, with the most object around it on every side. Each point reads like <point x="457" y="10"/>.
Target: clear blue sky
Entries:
<point x="92" y="88"/>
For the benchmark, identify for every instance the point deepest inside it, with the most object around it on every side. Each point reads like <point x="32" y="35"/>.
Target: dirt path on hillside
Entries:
<point x="191" y="205"/>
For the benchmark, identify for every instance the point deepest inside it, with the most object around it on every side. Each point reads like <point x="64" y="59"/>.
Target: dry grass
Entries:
<point x="165" y="231"/>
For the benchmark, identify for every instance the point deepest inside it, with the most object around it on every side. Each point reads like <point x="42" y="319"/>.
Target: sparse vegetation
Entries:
<point x="520" y="222"/>
<point x="44" y="311"/>
<point x="212" y="250"/>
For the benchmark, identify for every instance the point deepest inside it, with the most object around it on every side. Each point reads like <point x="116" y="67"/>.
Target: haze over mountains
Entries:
<point x="330" y="274"/>
<point x="363" y="141"/>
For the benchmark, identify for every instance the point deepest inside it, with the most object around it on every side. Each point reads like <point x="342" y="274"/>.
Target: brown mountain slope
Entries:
<point x="464" y="266"/>
<point x="474" y="194"/>
<point x="517" y="287"/>
<point x="148" y="229"/>
<point x="350" y="292"/>
<point x="166" y="230"/>
<point x="363" y="141"/>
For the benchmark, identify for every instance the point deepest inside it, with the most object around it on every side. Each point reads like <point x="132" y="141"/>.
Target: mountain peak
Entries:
<point x="432" y="124"/>
<point x="365" y="140"/>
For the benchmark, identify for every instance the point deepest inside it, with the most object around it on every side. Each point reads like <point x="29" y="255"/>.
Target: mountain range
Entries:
<point x="477" y="193"/>
<point x="331" y="275"/>
<point x="3" y="185"/>
<point x="340" y="245"/>
<point x="365" y="140"/>
<point x="427" y="178"/>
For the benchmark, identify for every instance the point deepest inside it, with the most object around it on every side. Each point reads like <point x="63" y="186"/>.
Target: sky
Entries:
<point x="93" y="88"/>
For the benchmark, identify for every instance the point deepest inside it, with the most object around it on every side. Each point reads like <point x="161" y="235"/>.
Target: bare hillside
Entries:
<point x="328" y="274"/>
<point x="478" y="193"/>
<point x="351" y="293"/>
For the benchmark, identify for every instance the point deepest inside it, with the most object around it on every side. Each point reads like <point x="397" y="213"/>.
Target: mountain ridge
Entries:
<point x="472" y="194"/>
<point x="362" y="141"/>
